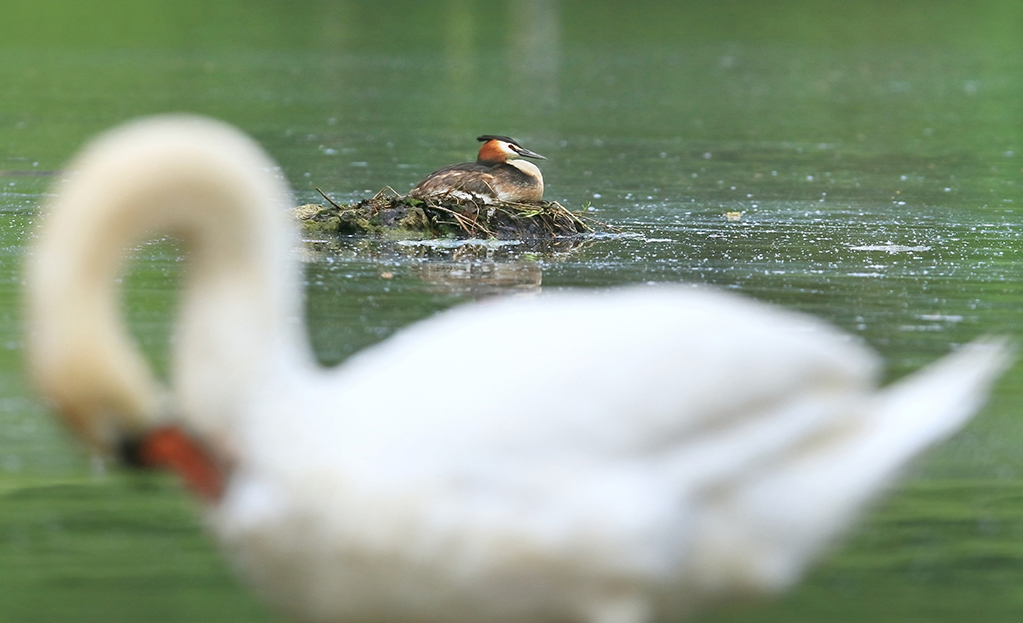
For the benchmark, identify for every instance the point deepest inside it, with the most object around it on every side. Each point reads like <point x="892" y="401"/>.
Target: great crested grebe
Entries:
<point x="498" y="174"/>
<point x="712" y="448"/>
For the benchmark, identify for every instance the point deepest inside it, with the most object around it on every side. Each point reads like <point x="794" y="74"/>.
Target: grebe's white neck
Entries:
<point x="213" y="189"/>
<point x="528" y="168"/>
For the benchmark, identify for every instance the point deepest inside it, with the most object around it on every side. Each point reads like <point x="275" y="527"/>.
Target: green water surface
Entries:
<point x="873" y="152"/>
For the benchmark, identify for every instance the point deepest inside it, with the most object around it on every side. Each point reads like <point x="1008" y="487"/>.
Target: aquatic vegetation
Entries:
<point x="445" y="216"/>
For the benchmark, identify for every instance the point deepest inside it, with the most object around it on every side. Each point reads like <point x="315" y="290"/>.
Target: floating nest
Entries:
<point x="447" y="216"/>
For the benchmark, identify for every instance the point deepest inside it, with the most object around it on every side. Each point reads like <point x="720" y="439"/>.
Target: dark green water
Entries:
<point x="874" y="152"/>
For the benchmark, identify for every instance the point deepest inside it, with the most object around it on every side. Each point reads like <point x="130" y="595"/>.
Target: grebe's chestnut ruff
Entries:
<point x="499" y="174"/>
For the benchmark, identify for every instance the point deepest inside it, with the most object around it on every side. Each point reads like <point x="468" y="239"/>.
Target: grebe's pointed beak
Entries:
<point x="525" y="153"/>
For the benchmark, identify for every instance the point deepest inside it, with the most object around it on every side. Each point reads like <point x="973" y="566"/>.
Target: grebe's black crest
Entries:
<point x="495" y="137"/>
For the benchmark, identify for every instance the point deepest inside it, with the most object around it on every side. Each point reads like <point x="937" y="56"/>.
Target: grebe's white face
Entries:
<point x="498" y="150"/>
<point x="507" y="149"/>
<point x="517" y="151"/>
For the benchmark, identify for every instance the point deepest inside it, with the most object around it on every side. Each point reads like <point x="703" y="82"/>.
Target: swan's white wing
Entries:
<point x="604" y="410"/>
<point x="610" y="374"/>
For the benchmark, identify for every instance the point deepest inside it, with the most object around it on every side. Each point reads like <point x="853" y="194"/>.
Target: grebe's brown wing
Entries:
<point x="468" y="177"/>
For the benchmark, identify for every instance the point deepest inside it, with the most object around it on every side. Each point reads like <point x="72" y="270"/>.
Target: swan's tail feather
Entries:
<point x="791" y="512"/>
<point x="933" y="403"/>
<point x="908" y="417"/>
<point x="905" y="419"/>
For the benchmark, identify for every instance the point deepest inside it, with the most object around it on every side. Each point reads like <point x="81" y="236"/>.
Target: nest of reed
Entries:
<point x="447" y="216"/>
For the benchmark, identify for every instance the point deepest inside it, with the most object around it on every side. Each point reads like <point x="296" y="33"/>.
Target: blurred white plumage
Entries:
<point x="606" y="457"/>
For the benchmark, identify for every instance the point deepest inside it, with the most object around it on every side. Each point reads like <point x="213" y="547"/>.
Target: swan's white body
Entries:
<point x="602" y="457"/>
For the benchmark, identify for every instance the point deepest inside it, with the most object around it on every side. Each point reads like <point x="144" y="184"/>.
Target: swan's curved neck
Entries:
<point x="214" y="190"/>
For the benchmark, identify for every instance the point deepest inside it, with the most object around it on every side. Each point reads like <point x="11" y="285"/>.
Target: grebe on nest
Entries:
<point x="493" y="177"/>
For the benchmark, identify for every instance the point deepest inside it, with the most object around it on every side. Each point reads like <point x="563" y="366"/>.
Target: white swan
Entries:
<point x="596" y="457"/>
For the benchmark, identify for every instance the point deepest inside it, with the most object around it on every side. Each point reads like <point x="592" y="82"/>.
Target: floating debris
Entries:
<point x="890" y="248"/>
<point x="448" y="216"/>
<point x="454" y="243"/>
<point x="733" y="216"/>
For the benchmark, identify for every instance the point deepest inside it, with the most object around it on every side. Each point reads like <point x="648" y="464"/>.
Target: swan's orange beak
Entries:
<point x="170" y="447"/>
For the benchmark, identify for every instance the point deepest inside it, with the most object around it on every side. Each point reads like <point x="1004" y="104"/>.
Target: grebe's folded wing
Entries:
<point x="467" y="177"/>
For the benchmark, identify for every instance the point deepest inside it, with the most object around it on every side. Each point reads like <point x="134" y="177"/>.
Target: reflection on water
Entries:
<point x="480" y="278"/>
<point x="534" y="55"/>
<point x="456" y="268"/>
